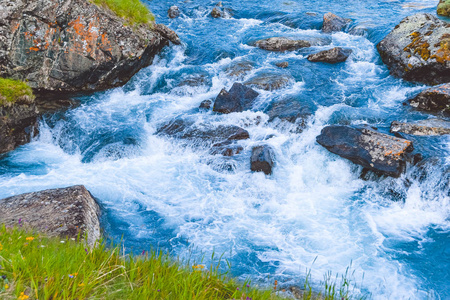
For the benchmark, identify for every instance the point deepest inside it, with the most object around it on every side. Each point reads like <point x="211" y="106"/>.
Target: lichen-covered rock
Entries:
<point x="332" y="23"/>
<point x="64" y="212"/>
<point x="281" y="44"/>
<point x="269" y="81"/>
<point x="262" y="159"/>
<point x="418" y="49"/>
<point x="332" y="56"/>
<point x="239" y="98"/>
<point x="435" y="99"/>
<point x="173" y="12"/>
<point x="68" y="46"/>
<point x="443" y="8"/>
<point x="424" y="127"/>
<point x="373" y="150"/>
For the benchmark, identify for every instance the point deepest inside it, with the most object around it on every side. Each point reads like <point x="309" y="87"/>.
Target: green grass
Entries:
<point x="133" y="11"/>
<point x="14" y="90"/>
<point x="38" y="267"/>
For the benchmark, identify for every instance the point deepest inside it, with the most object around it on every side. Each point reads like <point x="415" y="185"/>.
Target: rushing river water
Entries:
<point x="314" y="211"/>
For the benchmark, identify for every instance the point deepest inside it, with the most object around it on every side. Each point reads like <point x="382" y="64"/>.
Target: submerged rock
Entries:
<point x="418" y="49"/>
<point x="206" y="104"/>
<point x="281" y="44"/>
<point x="289" y="111"/>
<point x="443" y="8"/>
<point x="217" y="13"/>
<point x="332" y="56"/>
<point x="69" y="46"/>
<point x="332" y="23"/>
<point x="269" y="82"/>
<point x="237" y="99"/>
<point x="227" y="148"/>
<point x="373" y="150"/>
<point x="173" y="12"/>
<point x="283" y="64"/>
<point x="425" y="127"/>
<point x="64" y="212"/>
<point x="239" y="69"/>
<point x="262" y="159"/>
<point x="435" y="99"/>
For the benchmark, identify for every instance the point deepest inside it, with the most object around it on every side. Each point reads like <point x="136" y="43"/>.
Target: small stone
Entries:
<point x="332" y="23"/>
<point x="262" y="159"/>
<point x="269" y="82"/>
<point x="173" y="12"/>
<point x="422" y="128"/>
<point x="239" y="98"/>
<point x="332" y="56"/>
<point x="283" y="64"/>
<point x="217" y="13"/>
<point x="281" y="44"/>
<point x="206" y="104"/>
<point x="435" y="99"/>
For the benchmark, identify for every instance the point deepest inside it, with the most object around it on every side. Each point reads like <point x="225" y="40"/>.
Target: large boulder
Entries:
<point x="269" y="81"/>
<point x="435" y="99"/>
<point x="332" y="23"/>
<point x="262" y="159"/>
<point x="378" y="152"/>
<point x="64" y="212"/>
<point x="69" y="46"/>
<point x="424" y="127"/>
<point x="281" y="44"/>
<point x="332" y="56"/>
<point x="418" y="49"/>
<point x="237" y="99"/>
<point x="443" y="8"/>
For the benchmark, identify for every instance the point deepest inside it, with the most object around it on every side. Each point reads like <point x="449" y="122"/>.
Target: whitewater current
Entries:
<point x="314" y="212"/>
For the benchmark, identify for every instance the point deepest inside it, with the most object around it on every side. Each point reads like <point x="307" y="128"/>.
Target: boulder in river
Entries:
<point x="226" y="148"/>
<point x="418" y="49"/>
<point x="72" y="46"/>
<point x="64" y="212"/>
<point x="443" y="8"/>
<point x="332" y="56"/>
<point x="262" y="159"/>
<point x="289" y="110"/>
<point x="435" y="99"/>
<point x="283" y="64"/>
<point x="281" y="44"/>
<point x="268" y="81"/>
<point x="239" y="69"/>
<point x="173" y="12"/>
<point x="217" y="13"/>
<point x="373" y="150"/>
<point x="237" y="99"/>
<point x="206" y="104"/>
<point x="424" y="127"/>
<point x="332" y="23"/>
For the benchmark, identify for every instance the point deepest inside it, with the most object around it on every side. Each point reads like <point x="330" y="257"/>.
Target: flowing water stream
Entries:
<point x="314" y="211"/>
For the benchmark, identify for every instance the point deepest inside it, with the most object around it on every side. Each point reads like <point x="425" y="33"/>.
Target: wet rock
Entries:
<point x="332" y="23"/>
<point x="262" y="159"/>
<point x="269" y="82"/>
<point x="418" y="49"/>
<point x="358" y="31"/>
<point x="239" y="69"/>
<point x="283" y="64"/>
<point x="237" y="99"/>
<point x="167" y="33"/>
<point x="281" y="44"/>
<point x="332" y="56"/>
<point x="227" y="148"/>
<point x="443" y="8"/>
<point x="290" y="111"/>
<point x="378" y="152"/>
<point x="70" y="46"/>
<point x="435" y="99"/>
<point x="217" y="13"/>
<point x="45" y="106"/>
<point x="64" y="212"/>
<point x="424" y="127"/>
<point x="173" y="12"/>
<point x="206" y="104"/>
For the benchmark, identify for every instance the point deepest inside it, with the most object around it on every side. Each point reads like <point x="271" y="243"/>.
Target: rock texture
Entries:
<point x="268" y="81"/>
<point x="290" y="111"/>
<point x="281" y="44"/>
<point x="418" y="49"/>
<point x="283" y="64"/>
<point x="262" y="159"/>
<point x="381" y="153"/>
<point x="435" y="99"/>
<point x="425" y="127"/>
<point x="68" y="46"/>
<point x="65" y="212"/>
<point x="443" y="8"/>
<point x="332" y="56"/>
<point x="332" y="23"/>
<point x="239" y="69"/>
<point x="173" y="12"/>
<point x="237" y="99"/>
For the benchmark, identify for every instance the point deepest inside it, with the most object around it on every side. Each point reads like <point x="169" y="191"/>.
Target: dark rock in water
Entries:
<point x="72" y="46"/>
<point x="289" y="110"/>
<point x="332" y="23"/>
<point x="217" y="13"/>
<point x="443" y="8"/>
<point x="418" y="50"/>
<point x="282" y="44"/>
<point x="237" y="99"/>
<point x="283" y="64"/>
<point x="269" y="82"/>
<point x="173" y="12"/>
<point x="332" y="56"/>
<point x="206" y="104"/>
<point x="373" y="150"/>
<point x="359" y="31"/>
<point x="167" y="33"/>
<point x="239" y="69"/>
<point x="435" y="99"/>
<point x="64" y="212"/>
<point x="262" y="159"/>
<point x="227" y="148"/>
<point x="425" y="127"/>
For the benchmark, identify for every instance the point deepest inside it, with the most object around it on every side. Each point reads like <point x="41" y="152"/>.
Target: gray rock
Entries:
<point x="268" y="81"/>
<point x="283" y="64"/>
<point x="418" y="50"/>
<point x="435" y="99"/>
<point x="167" y="33"/>
<point x="69" y="46"/>
<point x="173" y="12"/>
<point x="206" y="104"/>
<point x="217" y="13"/>
<point x="239" y="69"/>
<point x="262" y="159"/>
<point x="378" y="152"/>
<point x="281" y="44"/>
<point x="290" y="111"/>
<point x="237" y="99"/>
<point x="64" y="212"/>
<point x="332" y="56"/>
<point x="424" y="127"/>
<point x="332" y="23"/>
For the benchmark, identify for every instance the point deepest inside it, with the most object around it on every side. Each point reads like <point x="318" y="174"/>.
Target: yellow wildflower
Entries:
<point x="30" y="238"/>
<point x="81" y="284"/>
<point x="6" y="286"/>
<point x="23" y="296"/>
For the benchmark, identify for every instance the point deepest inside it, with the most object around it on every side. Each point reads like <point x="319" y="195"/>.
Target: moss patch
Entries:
<point x="133" y="11"/>
<point x="443" y="8"/>
<point x="12" y="91"/>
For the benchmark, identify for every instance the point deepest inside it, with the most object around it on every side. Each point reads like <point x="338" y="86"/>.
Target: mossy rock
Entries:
<point x="443" y="8"/>
<point x="14" y="91"/>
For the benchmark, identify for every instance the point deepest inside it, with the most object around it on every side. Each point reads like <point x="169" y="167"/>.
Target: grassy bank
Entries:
<point x="12" y="90"/>
<point x="133" y="11"/>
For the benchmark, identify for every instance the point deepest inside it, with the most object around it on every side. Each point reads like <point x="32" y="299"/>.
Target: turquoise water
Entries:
<point x="314" y="211"/>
